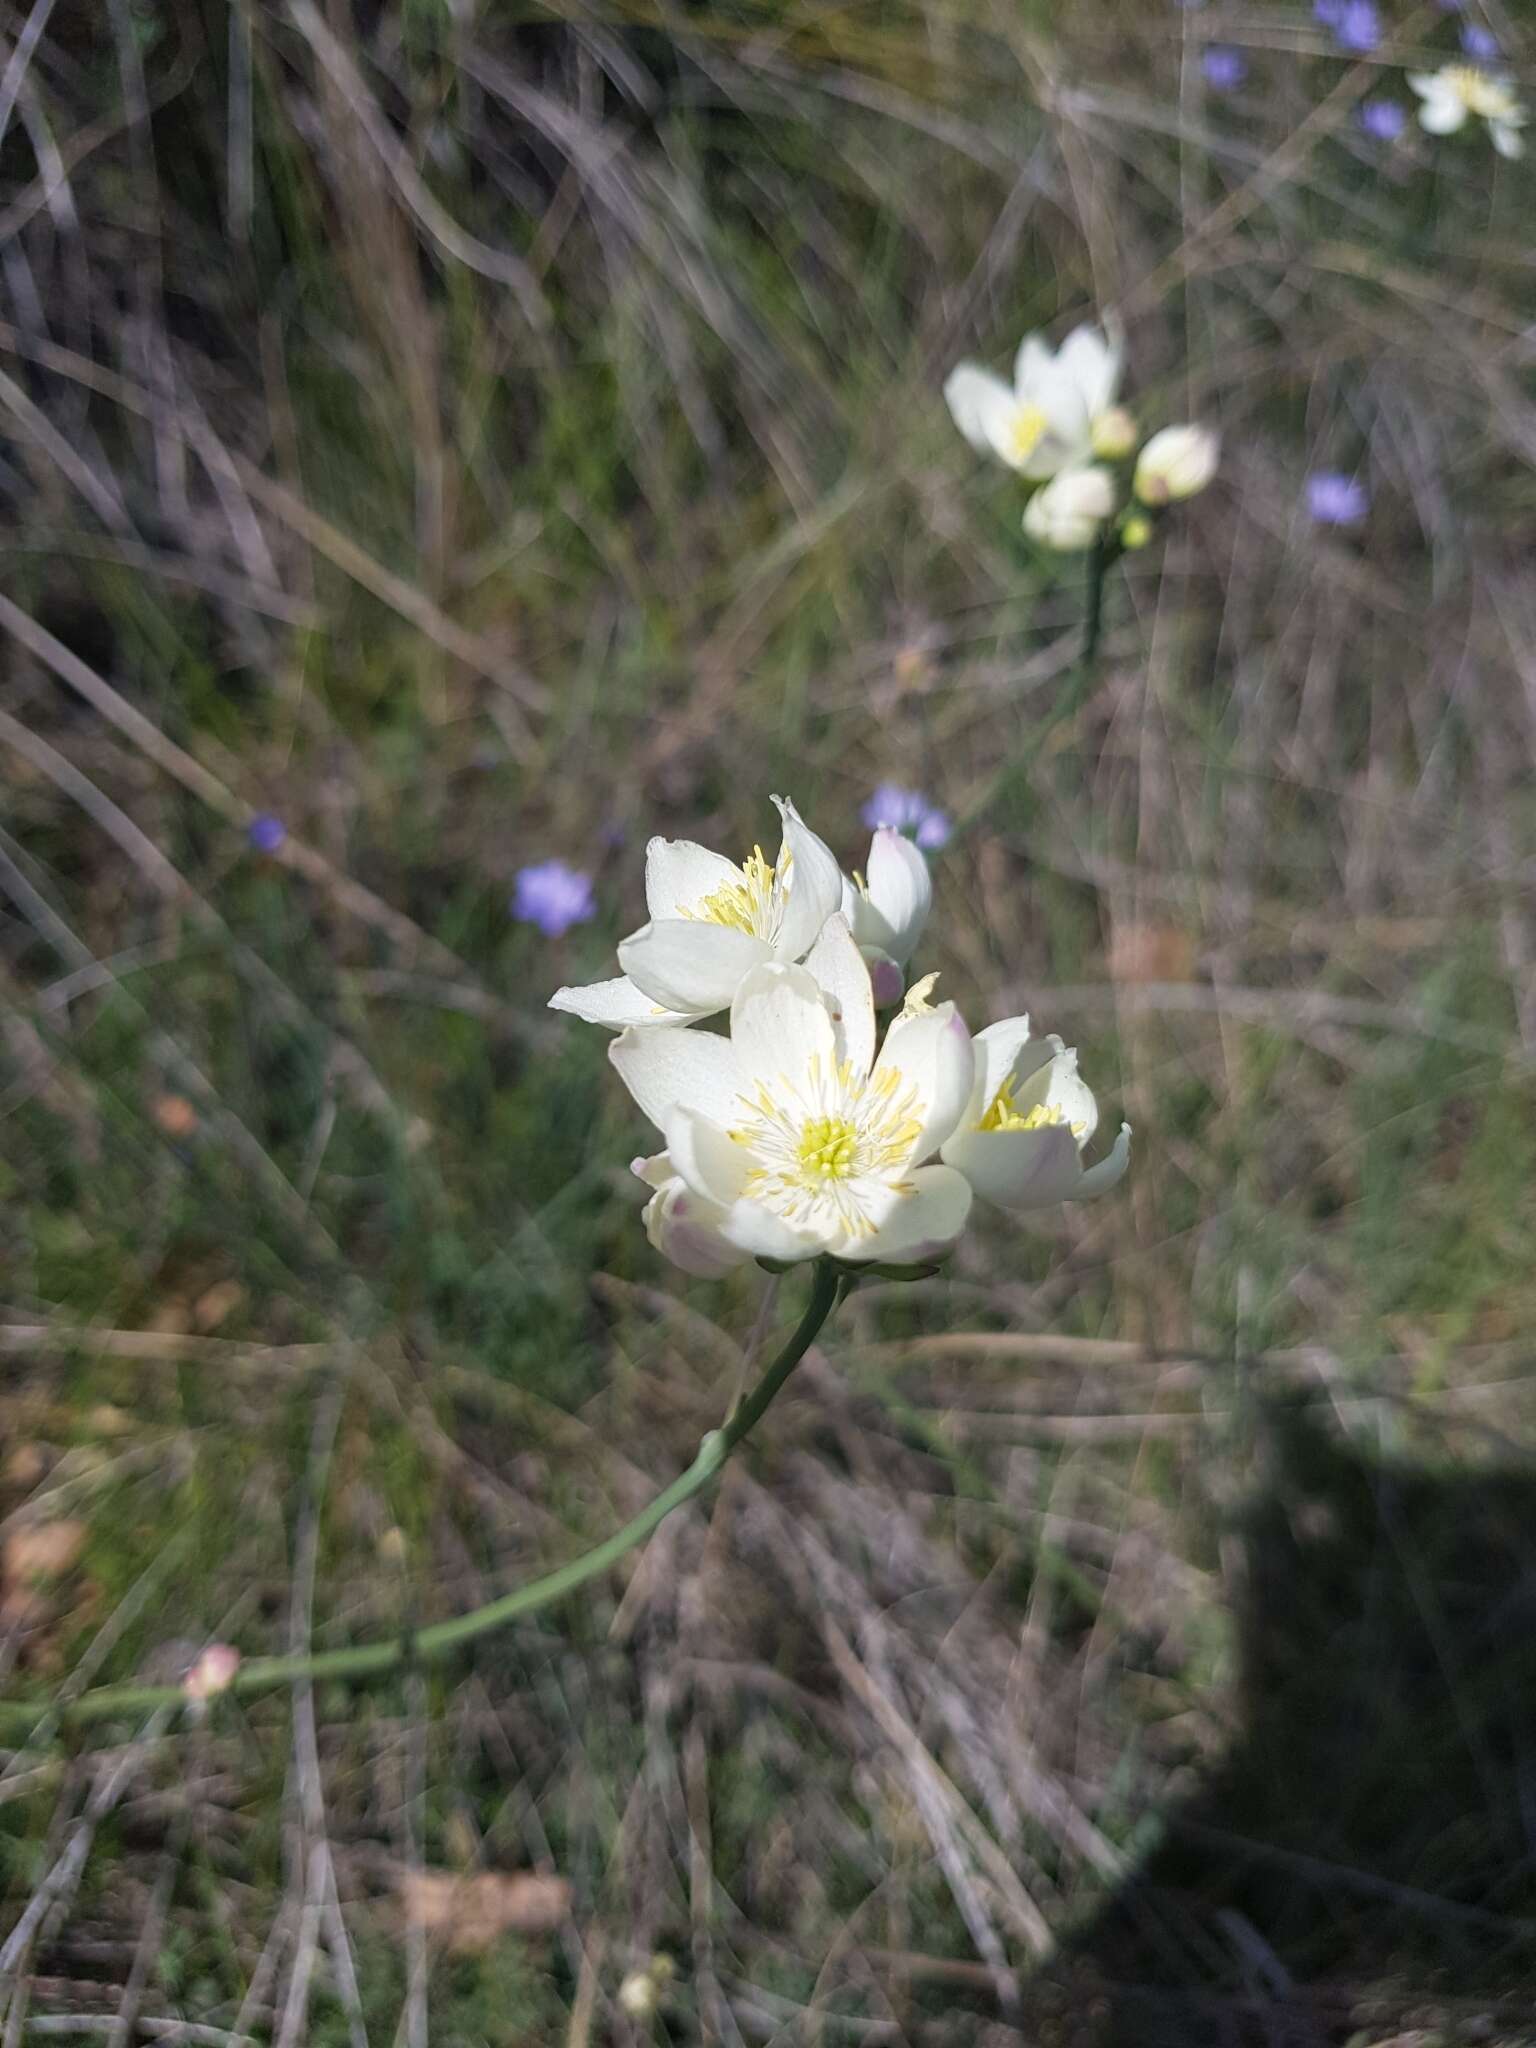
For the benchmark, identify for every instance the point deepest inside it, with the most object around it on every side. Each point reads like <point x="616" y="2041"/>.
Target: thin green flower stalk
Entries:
<point x="212" y="1677"/>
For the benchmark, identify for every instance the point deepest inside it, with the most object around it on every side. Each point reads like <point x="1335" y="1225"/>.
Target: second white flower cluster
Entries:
<point x="801" y="1133"/>
<point x="1059" y="423"/>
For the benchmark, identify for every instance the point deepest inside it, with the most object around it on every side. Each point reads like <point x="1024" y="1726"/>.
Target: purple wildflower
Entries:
<point x="265" y="832"/>
<point x="1224" y="68"/>
<point x="1329" y="12"/>
<point x="906" y="810"/>
<point x="1336" y="500"/>
<point x="1383" y="119"/>
<point x="1359" y="26"/>
<point x="1480" y="44"/>
<point x="554" y="897"/>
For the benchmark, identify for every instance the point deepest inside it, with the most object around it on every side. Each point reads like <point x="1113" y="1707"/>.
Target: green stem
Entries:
<point x="367" y="1660"/>
<point x="1099" y="558"/>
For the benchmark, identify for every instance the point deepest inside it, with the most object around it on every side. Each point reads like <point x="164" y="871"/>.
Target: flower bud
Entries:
<point x="1135" y="531"/>
<point x="1176" y="463"/>
<point x="1069" y="511"/>
<point x="1114" y="434"/>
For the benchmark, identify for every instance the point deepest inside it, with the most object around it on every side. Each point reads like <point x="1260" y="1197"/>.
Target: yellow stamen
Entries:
<point x="744" y="906"/>
<point x="1025" y="432"/>
<point x="827" y="1146"/>
<point x="1004" y="1116"/>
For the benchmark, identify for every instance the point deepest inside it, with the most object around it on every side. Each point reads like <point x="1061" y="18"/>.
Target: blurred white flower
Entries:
<point x="1044" y="421"/>
<point x="1176" y="463"/>
<point x="1456" y="91"/>
<point x="1070" y="511"/>
<point x="790" y="1139"/>
<point x="1020" y="1142"/>
<point x="886" y="909"/>
<point x="213" y="1673"/>
<point x="712" y="922"/>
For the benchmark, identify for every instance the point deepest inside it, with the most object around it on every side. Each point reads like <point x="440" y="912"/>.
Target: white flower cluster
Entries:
<point x="1059" y="424"/>
<point x="799" y="1133"/>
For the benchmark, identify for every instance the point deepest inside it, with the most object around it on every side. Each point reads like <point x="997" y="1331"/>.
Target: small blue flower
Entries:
<point x="1480" y="43"/>
<point x="1329" y="12"/>
<point x="1359" y="26"/>
<point x="906" y="810"/>
<point x="1224" y="68"/>
<point x="1334" y="499"/>
<point x="1385" y="120"/>
<point x="554" y="897"/>
<point x="265" y="832"/>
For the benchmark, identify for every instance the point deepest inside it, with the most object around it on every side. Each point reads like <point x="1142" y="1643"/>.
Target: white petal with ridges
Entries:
<point x="667" y="1070"/>
<point x="931" y="1051"/>
<point x="780" y="1024"/>
<point x="997" y="1050"/>
<point x="1110" y="1168"/>
<point x="679" y="874"/>
<point x="815" y="885"/>
<point x="616" y="1003"/>
<point x="922" y="1224"/>
<point x="839" y="971"/>
<point x="900" y="893"/>
<point x="690" y="965"/>
<point x="1018" y="1169"/>
<point x="704" y="1156"/>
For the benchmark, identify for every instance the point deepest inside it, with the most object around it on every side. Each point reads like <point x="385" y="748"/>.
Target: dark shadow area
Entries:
<point x="1365" y="1862"/>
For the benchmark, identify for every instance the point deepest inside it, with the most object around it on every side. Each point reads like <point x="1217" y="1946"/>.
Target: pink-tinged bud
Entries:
<point x="886" y="981"/>
<point x="213" y="1673"/>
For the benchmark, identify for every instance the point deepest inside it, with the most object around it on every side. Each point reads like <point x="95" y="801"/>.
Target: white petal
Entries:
<point x="1093" y="361"/>
<point x="688" y="1232"/>
<point x="1069" y="431"/>
<point x="900" y="893"/>
<point x="933" y="1051"/>
<point x="1032" y="365"/>
<point x="1507" y="140"/>
<point x="1018" y="1169"/>
<point x="1058" y="1086"/>
<point x="689" y="964"/>
<point x="667" y="1070"/>
<point x="615" y="1003"/>
<point x="679" y="874"/>
<point x="815" y="885"/>
<point x="1109" y="1169"/>
<point x="923" y="1224"/>
<point x="655" y="1171"/>
<point x="980" y="403"/>
<point x="839" y="971"/>
<point x="779" y="1024"/>
<point x="997" y="1051"/>
<point x="1442" y="114"/>
<point x="1426" y="84"/>
<point x="760" y="1234"/>
<point x="704" y="1156"/>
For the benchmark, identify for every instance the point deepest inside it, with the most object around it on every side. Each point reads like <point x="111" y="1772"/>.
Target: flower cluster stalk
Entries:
<point x="441" y="1639"/>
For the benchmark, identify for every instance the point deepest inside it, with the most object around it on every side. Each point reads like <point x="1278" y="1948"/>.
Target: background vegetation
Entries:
<point x="473" y="434"/>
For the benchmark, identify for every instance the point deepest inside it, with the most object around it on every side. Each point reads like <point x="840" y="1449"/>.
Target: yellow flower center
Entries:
<point x="1003" y="1115"/>
<point x="827" y="1148"/>
<point x="1479" y="93"/>
<point x="1029" y="424"/>
<point x="829" y="1145"/>
<point x="746" y="905"/>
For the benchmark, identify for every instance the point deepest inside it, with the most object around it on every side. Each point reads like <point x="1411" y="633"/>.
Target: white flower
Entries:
<point x="1044" y="420"/>
<point x="1176" y="463"/>
<point x="1070" y="511"/>
<point x="886" y="909"/>
<point x="711" y="923"/>
<point x="1457" y="90"/>
<point x="790" y="1139"/>
<point x="1020" y="1141"/>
